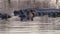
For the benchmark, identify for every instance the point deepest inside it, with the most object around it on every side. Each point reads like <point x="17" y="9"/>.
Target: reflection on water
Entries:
<point x="41" y="25"/>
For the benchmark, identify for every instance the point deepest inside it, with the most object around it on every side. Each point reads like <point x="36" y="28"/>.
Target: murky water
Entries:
<point x="40" y="25"/>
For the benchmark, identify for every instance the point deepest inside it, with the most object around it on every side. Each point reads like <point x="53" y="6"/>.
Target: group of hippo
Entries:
<point x="25" y="14"/>
<point x="4" y="16"/>
<point x="29" y="14"/>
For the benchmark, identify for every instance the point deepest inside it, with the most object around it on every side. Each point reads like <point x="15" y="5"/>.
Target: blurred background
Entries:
<point x="9" y="6"/>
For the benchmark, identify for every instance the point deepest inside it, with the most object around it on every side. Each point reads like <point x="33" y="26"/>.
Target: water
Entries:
<point x="40" y="25"/>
